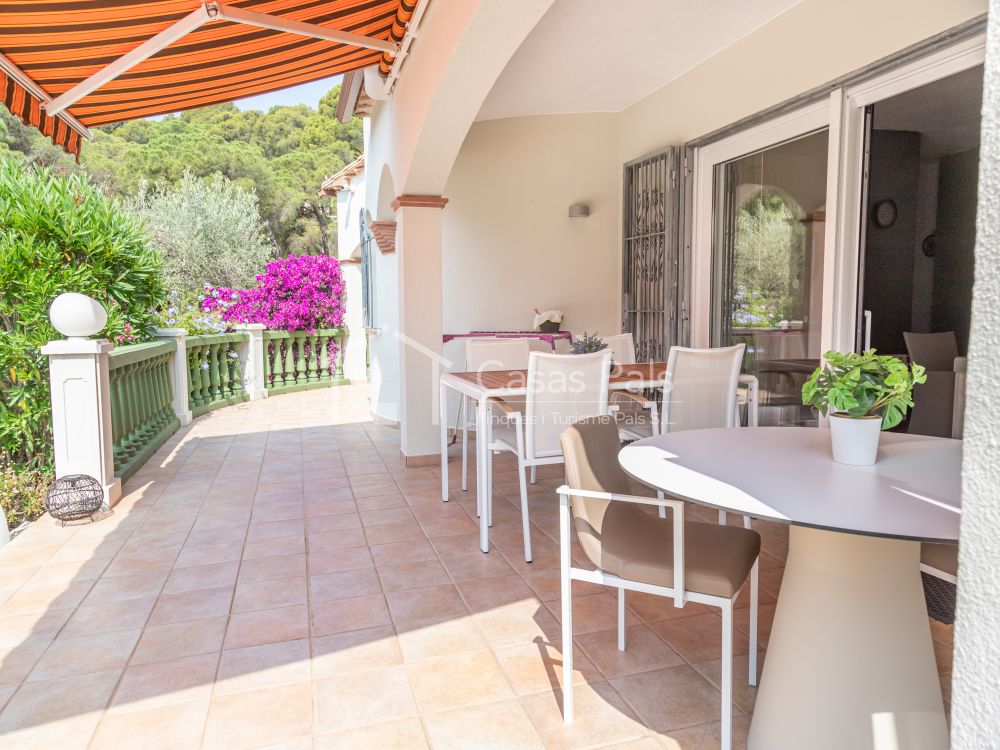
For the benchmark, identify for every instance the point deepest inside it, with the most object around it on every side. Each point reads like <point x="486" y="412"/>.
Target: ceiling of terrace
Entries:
<point x="600" y="56"/>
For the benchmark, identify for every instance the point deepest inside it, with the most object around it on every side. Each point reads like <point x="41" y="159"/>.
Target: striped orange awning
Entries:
<point x="59" y="43"/>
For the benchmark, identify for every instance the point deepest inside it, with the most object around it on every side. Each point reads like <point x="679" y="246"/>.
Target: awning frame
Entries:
<point x="205" y="13"/>
<point x="35" y="90"/>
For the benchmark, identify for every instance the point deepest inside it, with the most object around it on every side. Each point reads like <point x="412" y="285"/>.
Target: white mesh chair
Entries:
<point x="482" y="355"/>
<point x="631" y="549"/>
<point x="562" y="388"/>
<point x="633" y="407"/>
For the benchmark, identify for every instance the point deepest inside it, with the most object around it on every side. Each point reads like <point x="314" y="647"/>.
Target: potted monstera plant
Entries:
<point x="863" y="394"/>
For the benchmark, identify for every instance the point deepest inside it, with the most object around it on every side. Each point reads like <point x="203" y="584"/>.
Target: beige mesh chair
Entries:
<point x="701" y="391"/>
<point x="934" y="401"/>
<point x="562" y="388"/>
<point x="482" y="355"/>
<point x="633" y="549"/>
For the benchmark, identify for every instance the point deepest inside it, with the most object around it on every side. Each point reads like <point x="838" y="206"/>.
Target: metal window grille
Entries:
<point x="650" y="254"/>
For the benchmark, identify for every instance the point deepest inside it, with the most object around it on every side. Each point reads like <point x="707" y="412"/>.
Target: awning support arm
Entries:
<point x="148" y="48"/>
<point x="183" y="27"/>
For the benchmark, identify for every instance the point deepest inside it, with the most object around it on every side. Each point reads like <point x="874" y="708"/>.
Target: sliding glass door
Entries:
<point x="768" y="228"/>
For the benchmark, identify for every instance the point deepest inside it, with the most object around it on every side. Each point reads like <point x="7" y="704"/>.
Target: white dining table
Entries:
<point x="482" y="386"/>
<point x="849" y="663"/>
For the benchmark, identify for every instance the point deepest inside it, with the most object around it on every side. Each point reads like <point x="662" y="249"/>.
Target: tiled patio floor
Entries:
<point x="275" y="577"/>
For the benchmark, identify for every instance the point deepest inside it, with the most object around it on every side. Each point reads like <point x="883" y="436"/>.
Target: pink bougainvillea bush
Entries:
<point x="295" y="293"/>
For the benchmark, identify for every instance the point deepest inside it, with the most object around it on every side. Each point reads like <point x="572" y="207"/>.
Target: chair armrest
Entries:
<point x="636" y="398"/>
<point x="753" y="398"/>
<point x="566" y="492"/>
<point x="505" y="406"/>
<point x="960" y="364"/>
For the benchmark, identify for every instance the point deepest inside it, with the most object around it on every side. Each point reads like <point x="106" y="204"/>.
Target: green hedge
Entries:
<point x="60" y="234"/>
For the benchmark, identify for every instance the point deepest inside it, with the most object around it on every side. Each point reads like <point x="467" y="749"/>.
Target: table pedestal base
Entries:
<point x="850" y="664"/>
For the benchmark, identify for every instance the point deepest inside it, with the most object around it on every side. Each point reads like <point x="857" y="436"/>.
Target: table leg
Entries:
<point x="849" y="661"/>
<point x="482" y="418"/>
<point x="444" y="441"/>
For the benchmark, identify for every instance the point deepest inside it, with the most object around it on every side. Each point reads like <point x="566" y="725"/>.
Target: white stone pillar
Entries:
<point x="419" y="221"/>
<point x="81" y="411"/>
<point x="975" y="713"/>
<point x="178" y="372"/>
<point x="252" y="360"/>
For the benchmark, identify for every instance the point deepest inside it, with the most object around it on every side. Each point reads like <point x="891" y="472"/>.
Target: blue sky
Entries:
<point x="307" y="93"/>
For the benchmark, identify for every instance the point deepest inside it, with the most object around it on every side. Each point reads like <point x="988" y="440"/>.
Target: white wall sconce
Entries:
<point x="579" y="211"/>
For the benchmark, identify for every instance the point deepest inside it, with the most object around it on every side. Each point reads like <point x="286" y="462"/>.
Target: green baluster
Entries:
<point x="214" y="383"/>
<point x="146" y="429"/>
<point x="128" y="413"/>
<point x="116" y="416"/>
<point x="289" y="378"/>
<point x="338" y="375"/>
<point x="323" y="359"/>
<point x="237" y="376"/>
<point x="194" y="377"/>
<point x="206" y="374"/>
<point x="267" y="362"/>
<point x="300" y="358"/>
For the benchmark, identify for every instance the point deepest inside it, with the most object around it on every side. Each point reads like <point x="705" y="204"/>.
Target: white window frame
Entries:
<point x="934" y="66"/>
<point x="796" y="124"/>
<point x="842" y="111"/>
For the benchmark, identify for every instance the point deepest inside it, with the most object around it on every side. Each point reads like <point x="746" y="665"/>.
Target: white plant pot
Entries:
<point x="854" y="441"/>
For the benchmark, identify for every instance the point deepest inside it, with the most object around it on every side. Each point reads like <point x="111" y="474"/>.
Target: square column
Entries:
<point x="81" y="411"/>
<point x="178" y="372"/>
<point x="419" y="221"/>
<point x="252" y="360"/>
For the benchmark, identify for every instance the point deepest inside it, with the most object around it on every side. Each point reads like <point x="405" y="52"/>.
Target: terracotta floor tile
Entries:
<point x="593" y="612"/>
<point x="262" y="666"/>
<point x="383" y="516"/>
<point x="354" y="651"/>
<point x="257" y="718"/>
<point x="349" y="614"/>
<point x="344" y="585"/>
<point x="201" y="577"/>
<point x="333" y="540"/>
<point x="100" y="618"/>
<point x="537" y="667"/>
<point x="650" y="608"/>
<point x="40" y="703"/>
<point x="447" y="682"/>
<point x="413" y="550"/>
<point x="517" y="623"/>
<point x="744" y="695"/>
<point x="494" y="726"/>
<point x="267" y="626"/>
<point x="159" y="683"/>
<point x="697" y="639"/>
<point x="270" y="594"/>
<point x="490" y="593"/>
<point x="334" y="560"/>
<point x="270" y="568"/>
<point x="166" y="642"/>
<point x="414" y="575"/>
<point x="125" y="588"/>
<point x="349" y="701"/>
<point x="84" y="654"/>
<point x="407" y="734"/>
<point x="644" y="651"/>
<point x="399" y="531"/>
<point x="600" y="717"/>
<point x="670" y="698"/>
<point x="453" y="636"/>
<point x="192" y="605"/>
<point x="256" y="549"/>
<point x="209" y="555"/>
<point x="164" y="727"/>
<point x="426" y="605"/>
<point x="706" y="736"/>
<point x="476" y="566"/>
<point x="341" y="522"/>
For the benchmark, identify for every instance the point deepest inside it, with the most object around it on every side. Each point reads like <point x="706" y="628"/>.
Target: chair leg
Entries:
<point x="463" y="419"/>
<point x="566" y="589"/>
<point x="525" y="521"/>
<point x="754" y="599"/>
<point x="534" y="474"/>
<point x="621" y="619"/>
<point x="727" y="676"/>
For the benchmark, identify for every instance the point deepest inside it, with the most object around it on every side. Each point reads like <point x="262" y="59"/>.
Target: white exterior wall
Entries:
<point x="811" y="44"/>
<point x="976" y="676"/>
<point x="509" y="244"/>
<point x="350" y="202"/>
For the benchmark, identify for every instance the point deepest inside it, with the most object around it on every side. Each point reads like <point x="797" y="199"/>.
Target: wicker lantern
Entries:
<point x="74" y="498"/>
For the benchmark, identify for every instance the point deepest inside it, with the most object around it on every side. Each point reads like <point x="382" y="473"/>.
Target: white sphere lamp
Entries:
<point x="77" y="315"/>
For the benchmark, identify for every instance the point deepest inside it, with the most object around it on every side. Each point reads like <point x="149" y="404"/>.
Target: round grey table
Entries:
<point x="850" y="663"/>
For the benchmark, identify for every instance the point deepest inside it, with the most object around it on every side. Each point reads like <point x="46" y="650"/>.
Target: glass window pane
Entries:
<point x="769" y="221"/>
